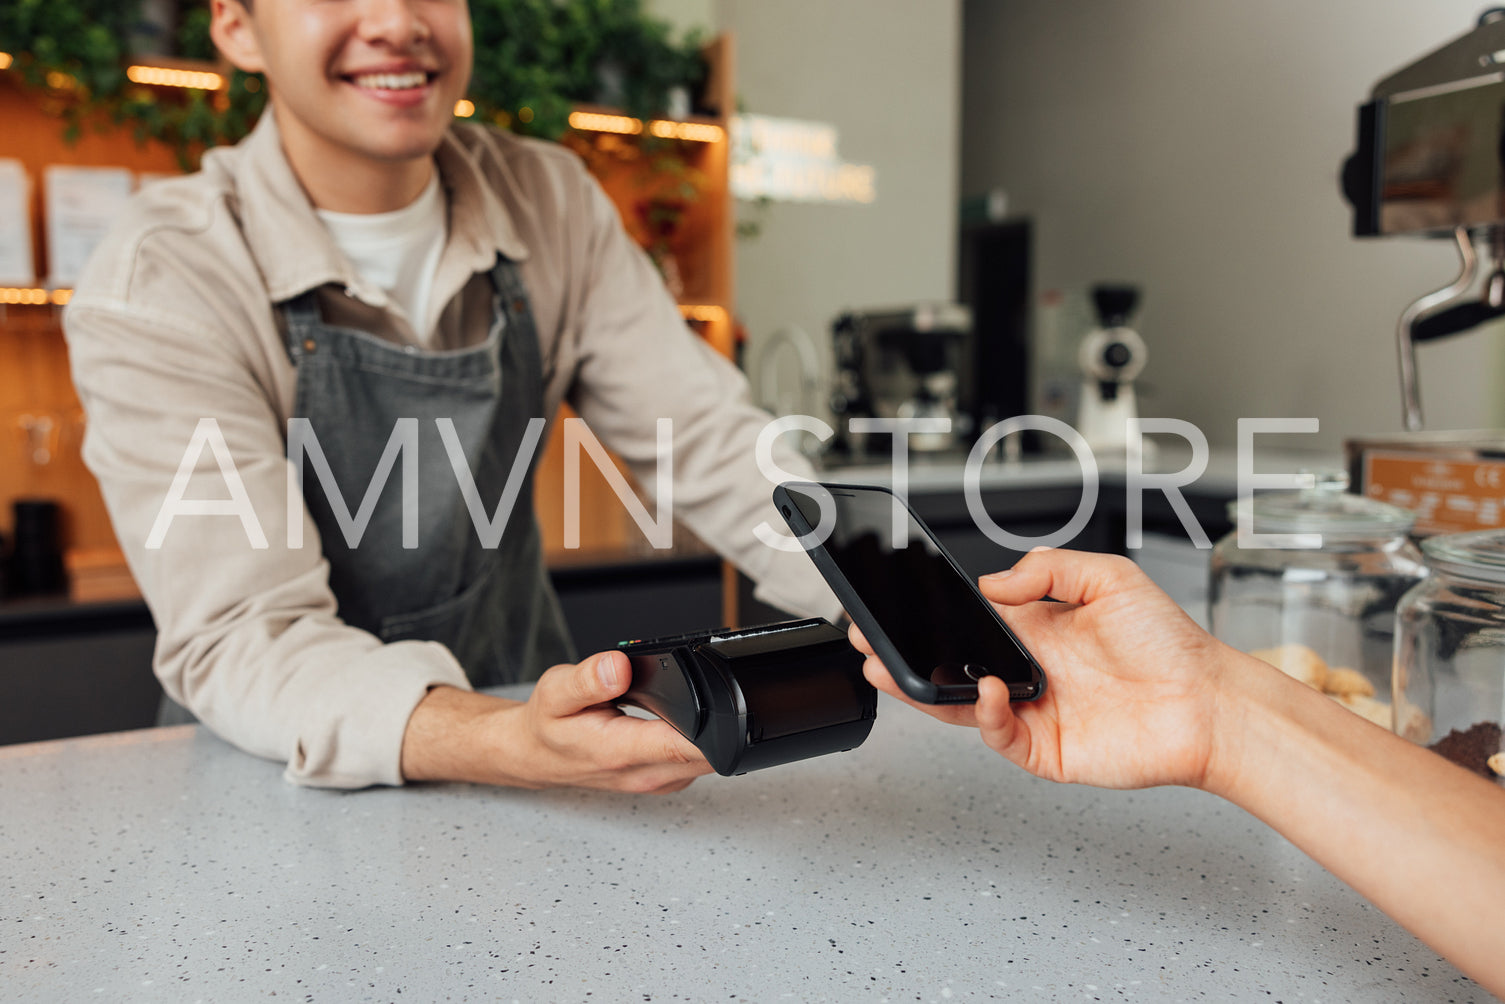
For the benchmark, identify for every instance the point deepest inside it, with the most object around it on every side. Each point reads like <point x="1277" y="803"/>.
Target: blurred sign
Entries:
<point x="16" y="266"/>
<point x="82" y="204"/>
<point x="790" y="160"/>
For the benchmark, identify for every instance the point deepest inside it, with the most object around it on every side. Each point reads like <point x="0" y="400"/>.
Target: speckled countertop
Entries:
<point x="164" y="865"/>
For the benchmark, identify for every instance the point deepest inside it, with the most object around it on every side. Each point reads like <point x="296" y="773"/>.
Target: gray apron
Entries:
<point x="492" y="606"/>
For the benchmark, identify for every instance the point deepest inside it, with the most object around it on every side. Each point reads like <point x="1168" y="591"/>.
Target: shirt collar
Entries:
<point x="477" y="216"/>
<point x="296" y="253"/>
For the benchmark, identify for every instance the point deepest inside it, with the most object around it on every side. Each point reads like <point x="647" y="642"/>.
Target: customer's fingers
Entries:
<point x="1075" y="577"/>
<point x="954" y="714"/>
<point x="996" y="720"/>
<point x="859" y="642"/>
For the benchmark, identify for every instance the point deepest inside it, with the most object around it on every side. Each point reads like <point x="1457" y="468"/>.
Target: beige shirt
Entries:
<point x="173" y="321"/>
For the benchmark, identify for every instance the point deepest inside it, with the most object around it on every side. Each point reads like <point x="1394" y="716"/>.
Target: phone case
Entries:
<point x="912" y="683"/>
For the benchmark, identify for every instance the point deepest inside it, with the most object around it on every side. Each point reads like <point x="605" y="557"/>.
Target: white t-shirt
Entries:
<point x="398" y="251"/>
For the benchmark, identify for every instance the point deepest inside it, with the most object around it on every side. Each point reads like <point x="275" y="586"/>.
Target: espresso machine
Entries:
<point x="903" y="362"/>
<point x="1430" y="162"/>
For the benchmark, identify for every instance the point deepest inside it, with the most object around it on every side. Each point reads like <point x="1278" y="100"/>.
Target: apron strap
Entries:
<point x="298" y="315"/>
<point x="512" y="296"/>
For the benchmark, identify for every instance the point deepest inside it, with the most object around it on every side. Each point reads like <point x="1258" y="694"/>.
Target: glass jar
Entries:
<point x="1450" y="651"/>
<point x="1325" y="615"/>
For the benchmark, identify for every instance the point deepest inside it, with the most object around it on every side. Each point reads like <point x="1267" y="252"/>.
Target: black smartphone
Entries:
<point x="923" y="616"/>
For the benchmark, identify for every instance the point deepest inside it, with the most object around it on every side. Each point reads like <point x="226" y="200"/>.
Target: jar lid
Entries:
<point x="1479" y="554"/>
<point x="1324" y="511"/>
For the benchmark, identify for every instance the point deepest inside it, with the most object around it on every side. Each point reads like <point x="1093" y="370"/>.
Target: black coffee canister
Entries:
<point x="36" y="566"/>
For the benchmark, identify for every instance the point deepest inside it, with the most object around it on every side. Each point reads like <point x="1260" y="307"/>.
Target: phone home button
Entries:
<point x="973" y="671"/>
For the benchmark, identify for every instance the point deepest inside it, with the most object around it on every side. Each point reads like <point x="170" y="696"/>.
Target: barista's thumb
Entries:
<point x="606" y="676"/>
<point x="569" y="689"/>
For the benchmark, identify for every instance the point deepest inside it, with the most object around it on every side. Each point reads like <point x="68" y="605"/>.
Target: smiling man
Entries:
<point x="368" y="284"/>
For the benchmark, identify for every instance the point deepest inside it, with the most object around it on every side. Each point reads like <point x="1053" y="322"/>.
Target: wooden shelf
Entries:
<point x="34" y="375"/>
<point x="630" y="163"/>
<point x="35" y="382"/>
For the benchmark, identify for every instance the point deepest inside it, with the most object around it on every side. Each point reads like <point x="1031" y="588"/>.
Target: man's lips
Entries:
<point x="388" y="80"/>
<point x="409" y="87"/>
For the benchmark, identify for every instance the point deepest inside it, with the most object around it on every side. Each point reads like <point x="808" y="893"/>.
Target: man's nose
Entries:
<point x="394" y="22"/>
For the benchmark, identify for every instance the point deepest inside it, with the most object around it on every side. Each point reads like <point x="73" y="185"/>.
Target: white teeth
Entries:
<point x="392" y="81"/>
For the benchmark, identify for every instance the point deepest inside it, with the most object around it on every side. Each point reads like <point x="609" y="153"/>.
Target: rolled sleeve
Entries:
<point x="357" y="741"/>
<point x="248" y="638"/>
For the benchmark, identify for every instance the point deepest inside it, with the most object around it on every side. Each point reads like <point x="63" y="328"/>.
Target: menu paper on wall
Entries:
<point x="17" y="267"/>
<point x="81" y="204"/>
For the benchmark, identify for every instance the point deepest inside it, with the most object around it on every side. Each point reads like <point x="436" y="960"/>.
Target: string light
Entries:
<point x="160" y="76"/>
<point x="464" y="109"/>
<point x="703" y="312"/>
<point x="36" y="296"/>
<point x="596" y="122"/>
<point x="622" y="125"/>
<point x="696" y="132"/>
<point x="164" y="76"/>
<point x="22" y="295"/>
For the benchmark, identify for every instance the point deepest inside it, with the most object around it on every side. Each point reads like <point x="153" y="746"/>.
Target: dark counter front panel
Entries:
<point x="70" y="669"/>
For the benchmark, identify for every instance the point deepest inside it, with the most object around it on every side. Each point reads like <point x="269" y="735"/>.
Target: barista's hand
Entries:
<point x="567" y="734"/>
<point x="1132" y="683"/>
<point x="574" y="735"/>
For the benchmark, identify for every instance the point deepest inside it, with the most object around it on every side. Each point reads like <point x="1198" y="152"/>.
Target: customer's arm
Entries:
<point x="1138" y="695"/>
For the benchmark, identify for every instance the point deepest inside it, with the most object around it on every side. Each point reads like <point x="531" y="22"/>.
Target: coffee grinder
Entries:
<point x="1111" y="356"/>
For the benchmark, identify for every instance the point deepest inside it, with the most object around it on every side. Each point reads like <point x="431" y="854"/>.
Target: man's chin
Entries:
<point x="400" y="148"/>
<point x="382" y="137"/>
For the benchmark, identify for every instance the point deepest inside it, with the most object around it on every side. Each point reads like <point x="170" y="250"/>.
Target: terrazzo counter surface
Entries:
<point x="164" y="865"/>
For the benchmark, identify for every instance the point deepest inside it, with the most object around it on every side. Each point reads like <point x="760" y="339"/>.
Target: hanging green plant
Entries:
<point x="200" y="122"/>
<point x="73" y="46"/>
<point x="534" y="60"/>
<point x="76" y="51"/>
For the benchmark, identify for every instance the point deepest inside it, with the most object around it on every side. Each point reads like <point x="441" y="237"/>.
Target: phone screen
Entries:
<point x="941" y="627"/>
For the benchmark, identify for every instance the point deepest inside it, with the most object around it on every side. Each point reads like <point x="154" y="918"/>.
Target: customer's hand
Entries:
<point x="569" y="733"/>
<point x="1132" y="683"/>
